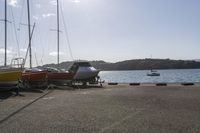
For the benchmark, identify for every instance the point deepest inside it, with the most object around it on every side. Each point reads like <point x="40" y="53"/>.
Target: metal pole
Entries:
<point x="5" y="62"/>
<point x="29" y="33"/>
<point x="29" y="44"/>
<point x="58" y="33"/>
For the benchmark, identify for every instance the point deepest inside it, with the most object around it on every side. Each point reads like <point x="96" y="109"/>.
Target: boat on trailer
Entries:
<point x="33" y="78"/>
<point x="10" y="76"/>
<point x="58" y="77"/>
<point x="85" y="73"/>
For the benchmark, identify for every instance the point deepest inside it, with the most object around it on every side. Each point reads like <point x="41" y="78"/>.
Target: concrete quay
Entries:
<point x="112" y="109"/>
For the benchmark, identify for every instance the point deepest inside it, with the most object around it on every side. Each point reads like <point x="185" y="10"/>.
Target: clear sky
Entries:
<point x="110" y="30"/>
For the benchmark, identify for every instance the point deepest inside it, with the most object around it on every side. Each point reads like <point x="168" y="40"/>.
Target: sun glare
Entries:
<point x="76" y="1"/>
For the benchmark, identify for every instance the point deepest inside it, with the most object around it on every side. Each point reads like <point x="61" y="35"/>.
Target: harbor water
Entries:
<point x="140" y="76"/>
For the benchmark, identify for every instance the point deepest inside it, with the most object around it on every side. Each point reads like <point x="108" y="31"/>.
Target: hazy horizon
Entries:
<point x="109" y="30"/>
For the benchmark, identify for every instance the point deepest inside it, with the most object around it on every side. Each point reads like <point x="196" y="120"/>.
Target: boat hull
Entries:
<point x="34" y="76"/>
<point x="59" y="78"/>
<point x="153" y="74"/>
<point x="34" y="79"/>
<point x="86" y="74"/>
<point x="9" y="78"/>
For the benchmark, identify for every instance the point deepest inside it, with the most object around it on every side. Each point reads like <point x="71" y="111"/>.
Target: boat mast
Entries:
<point x="5" y="62"/>
<point x="29" y="34"/>
<point x="58" y="33"/>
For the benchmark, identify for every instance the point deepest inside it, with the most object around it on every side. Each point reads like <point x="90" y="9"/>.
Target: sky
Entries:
<point x="109" y="30"/>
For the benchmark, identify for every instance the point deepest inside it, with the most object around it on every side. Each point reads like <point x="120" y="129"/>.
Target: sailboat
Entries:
<point x="153" y="72"/>
<point x="79" y="72"/>
<point x="10" y="75"/>
<point x="57" y="76"/>
<point x="82" y="72"/>
<point x="33" y="77"/>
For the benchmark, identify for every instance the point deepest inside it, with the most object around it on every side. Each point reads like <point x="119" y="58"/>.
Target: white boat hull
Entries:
<point x="153" y="74"/>
<point x="86" y="73"/>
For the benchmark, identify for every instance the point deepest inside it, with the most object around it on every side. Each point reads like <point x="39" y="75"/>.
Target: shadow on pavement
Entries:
<point x="6" y="94"/>
<point x="32" y="90"/>
<point x="86" y="86"/>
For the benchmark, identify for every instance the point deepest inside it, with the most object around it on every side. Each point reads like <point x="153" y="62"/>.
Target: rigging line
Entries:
<point x="15" y="31"/>
<point x="41" y="42"/>
<point x="41" y="59"/>
<point x="22" y="11"/>
<point x="36" y="60"/>
<point x="66" y="33"/>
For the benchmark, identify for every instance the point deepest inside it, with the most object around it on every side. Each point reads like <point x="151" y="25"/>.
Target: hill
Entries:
<point x="138" y="64"/>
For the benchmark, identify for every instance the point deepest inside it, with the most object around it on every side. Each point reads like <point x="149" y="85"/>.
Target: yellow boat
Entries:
<point x="11" y="75"/>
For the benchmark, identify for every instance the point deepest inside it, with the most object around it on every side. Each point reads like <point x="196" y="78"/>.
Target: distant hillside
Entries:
<point x="197" y="60"/>
<point x="138" y="64"/>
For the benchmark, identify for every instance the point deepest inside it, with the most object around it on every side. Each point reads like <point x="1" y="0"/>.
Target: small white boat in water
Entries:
<point x="153" y="73"/>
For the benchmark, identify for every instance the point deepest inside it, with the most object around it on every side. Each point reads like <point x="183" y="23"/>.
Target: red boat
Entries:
<point x="58" y="76"/>
<point x="34" y="78"/>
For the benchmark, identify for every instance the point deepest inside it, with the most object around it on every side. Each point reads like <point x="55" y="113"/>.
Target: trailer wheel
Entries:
<point x="84" y="83"/>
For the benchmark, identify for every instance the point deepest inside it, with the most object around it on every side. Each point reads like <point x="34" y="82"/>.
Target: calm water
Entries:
<point x="169" y="76"/>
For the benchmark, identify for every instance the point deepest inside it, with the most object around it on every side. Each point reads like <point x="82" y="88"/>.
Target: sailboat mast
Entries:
<point x="5" y="62"/>
<point x="29" y="33"/>
<point x="58" y="33"/>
